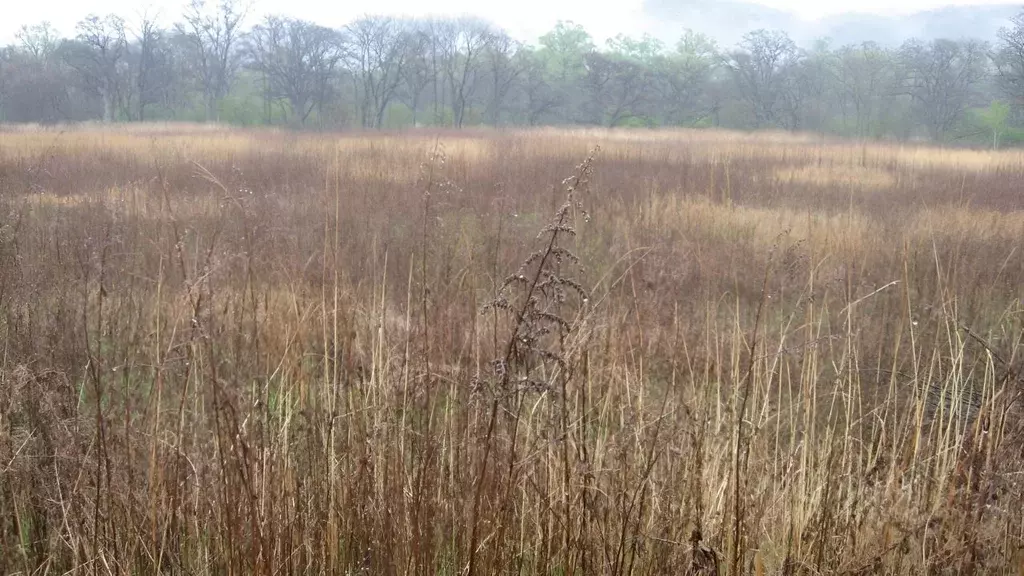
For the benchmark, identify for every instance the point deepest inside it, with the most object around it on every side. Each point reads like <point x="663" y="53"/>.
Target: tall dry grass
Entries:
<point x="260" y="352"/>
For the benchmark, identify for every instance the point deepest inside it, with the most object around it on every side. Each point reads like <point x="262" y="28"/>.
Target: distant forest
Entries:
<point x="382" y="72"/>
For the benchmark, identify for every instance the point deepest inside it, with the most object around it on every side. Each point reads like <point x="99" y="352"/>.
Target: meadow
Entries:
<point x="523" y="352"/>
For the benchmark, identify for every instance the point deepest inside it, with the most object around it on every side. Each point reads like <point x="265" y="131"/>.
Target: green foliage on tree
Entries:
<point x="994" y="119"/>
<point x="563" y="50"/>
<point x="218" y="63"/>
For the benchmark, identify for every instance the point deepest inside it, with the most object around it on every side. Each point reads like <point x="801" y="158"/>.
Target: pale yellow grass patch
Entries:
<point x="198" y="145"/>
<point x="688" y="146"/>
<point x="675" y="146"/>
<point x="416" y="146"/>
<point x="110" y="196"/>
<point x="704" y="220"/>
<point x="134" y="202"/>
<point x="843" y="175"/>
<point x="967" y="223"/>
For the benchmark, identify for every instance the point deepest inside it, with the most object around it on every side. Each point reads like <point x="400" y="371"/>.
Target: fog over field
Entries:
<point x="950" y="74"/>
<point x="727" y="20"/>
<point x="543" y="288"/>
<point x="723" y="20"/>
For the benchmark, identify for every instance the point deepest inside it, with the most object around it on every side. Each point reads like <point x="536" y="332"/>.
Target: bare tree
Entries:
<point x="441" y="33"/>
<point x="39" y="40"/>
<point x="6" y="56"/>
<point x="501" y="67"/>
<point x="941" y="78"/>
<point x="865" y="81"/>
<point x="37" y="85"/>
<point x="416" y="73"/>
<point x="759" y="68"/>
<point x="1009" y="61"/>
<point x="153" y="66"/>
<point x="807" y="90"/>
<point x="462" y="50"/>
<point x="96" y="55"/>
<point x="377" y="51"/>
<point x="618" y="87"/>
<point x="299" y="60"/>
<point x="211" y="35"/>
<point x="540" y="98"/>
<point x="32" y="86"/>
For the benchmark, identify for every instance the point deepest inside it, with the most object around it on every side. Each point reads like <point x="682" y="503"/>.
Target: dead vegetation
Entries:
<point x="263" y="352"/>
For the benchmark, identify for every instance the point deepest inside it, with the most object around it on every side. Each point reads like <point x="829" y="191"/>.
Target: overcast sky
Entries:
<point x="524" y="19"/>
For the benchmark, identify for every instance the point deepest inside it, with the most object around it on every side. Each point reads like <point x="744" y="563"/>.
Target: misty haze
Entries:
<point x="545" y="287"/>
<point x="952" y="74"/>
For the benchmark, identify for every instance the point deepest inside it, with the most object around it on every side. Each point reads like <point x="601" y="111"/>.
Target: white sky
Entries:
<point x="524" y="19"/>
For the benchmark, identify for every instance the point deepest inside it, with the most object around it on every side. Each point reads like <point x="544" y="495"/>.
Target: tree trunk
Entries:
<point x="108" y="105"/>
<point x="211" y="106"/>
<point x="140" y="85"/>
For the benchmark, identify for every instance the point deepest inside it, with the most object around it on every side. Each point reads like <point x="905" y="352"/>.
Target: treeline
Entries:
<point x="385" y="72"/>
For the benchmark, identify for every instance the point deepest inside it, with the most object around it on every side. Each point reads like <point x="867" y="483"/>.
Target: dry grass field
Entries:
<point x="539" y="352"/>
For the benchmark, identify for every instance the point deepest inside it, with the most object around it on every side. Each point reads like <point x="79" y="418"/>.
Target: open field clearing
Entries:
<point x="537" y="352"/>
